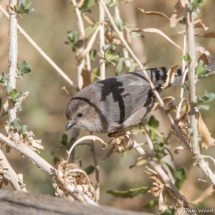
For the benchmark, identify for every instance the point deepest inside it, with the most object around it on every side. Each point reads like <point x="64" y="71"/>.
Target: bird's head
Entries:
<point x="82" y="114"/>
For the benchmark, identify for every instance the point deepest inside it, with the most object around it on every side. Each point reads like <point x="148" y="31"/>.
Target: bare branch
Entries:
<point x="12" y="63"/>
<point x="10" y="174"/>
<point x="102" y="41"/>
<point x="33" y="156"/>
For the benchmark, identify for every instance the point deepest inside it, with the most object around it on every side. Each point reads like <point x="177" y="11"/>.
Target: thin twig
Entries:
<point x="102" y="41"/>
<point x="191" y="83"/>
<point x="182" y="89"/>
<point x="200" y="162"/>
<point x="10" y="174"/>
<point x="12" y="63"/>
<point x="124" y="50"/>
<point x="160" y="172"/>
<point x="60" y="72"/>
<point x="33" y="156"/>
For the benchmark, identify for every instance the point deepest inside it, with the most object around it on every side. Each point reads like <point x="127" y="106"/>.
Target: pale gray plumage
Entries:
<point x="116" y="103"/>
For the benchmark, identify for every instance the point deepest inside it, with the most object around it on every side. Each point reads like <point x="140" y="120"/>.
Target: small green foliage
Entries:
<point x="179" y="175"/>
<point x="14" y="95"/>
<point x="24" y="68"/>
<point x="201" y="70"/>
<point x="24" y="8"/>
<point x="119" y="66"/>
<point x="89" y="170"/>
<point x="96" y="72"/>
<point x="91" y="29"/>
<point x="207" y="97"/>
<point x="191" y="131"/>
<point x="129" y="193"/>
<point x="193" y="6"/>
<point x="132" y="67"/>
<point x="184" y="86"/>
<point x="153" y="123"/>
<point x="87" y="4"/>
<point x="93" y="53"/>
<point x="169" y="211"/>
<point x="3" y="78"/>
<point x="24" y="130"/>
<point x="16" y="125"/>
<point x="56" y="160"/>
<point x="136" y="34"/>
<point x="151" y="204"/>
<point x="73" y="40"/>
<point x="159" y="150"/>
<point x="183" y="21"/>
<point x="187" y="58"/>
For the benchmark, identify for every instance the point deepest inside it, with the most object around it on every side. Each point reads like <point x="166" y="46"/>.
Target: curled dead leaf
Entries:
<point x="206" y="138"/>
<point x="204" y="55"/>
<point x="155" y="13"/>
<point x="154" y="30"/>
<point x="170" y="76"/>
<point x="199" y="24"/>
<point x="179" y="12"/>
<point x="166" y="196"/>
<point x="176" y="151"/>
<point x="206" y="35"/>
<point x="165" y="101"/>
<point x="86" y="77"/>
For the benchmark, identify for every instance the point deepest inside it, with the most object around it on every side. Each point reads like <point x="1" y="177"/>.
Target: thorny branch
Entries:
<point x="12" y="63"/>
<point x="200" y="162"/>
<point x="191" y="83"/>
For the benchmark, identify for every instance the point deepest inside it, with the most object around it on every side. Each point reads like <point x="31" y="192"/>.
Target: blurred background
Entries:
<point x="43" y="110"/>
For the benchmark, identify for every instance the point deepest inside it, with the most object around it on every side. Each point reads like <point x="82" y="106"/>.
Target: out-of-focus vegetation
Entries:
<point x="43" y="110"/>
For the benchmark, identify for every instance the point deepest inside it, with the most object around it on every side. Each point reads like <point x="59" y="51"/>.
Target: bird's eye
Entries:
<point x="80" y="115"/>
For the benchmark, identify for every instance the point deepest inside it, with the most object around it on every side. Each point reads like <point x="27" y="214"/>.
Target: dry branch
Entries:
<point x="8" y="172"/>
<point x="12" y="63"/>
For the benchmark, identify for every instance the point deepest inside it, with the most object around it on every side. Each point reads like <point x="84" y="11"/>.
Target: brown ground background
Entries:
<point x="43" y="110"/>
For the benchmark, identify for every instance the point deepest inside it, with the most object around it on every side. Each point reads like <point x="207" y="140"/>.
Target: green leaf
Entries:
<point x="89" y="170"/>
<point x="56" y="160"/>
<point x="151" y="204"/>
<point x="131" y="69"/>
<point x="24" y="68"/>
<point x="179" y="175"/>
<point x="119" y="66"/>
<point x="16" y="122"/>
<point x="90" y="30"/>
<point x="129" y="193"/>
<point x="169" y="211"/>
<point x="3" y="78"/>
<point x="96" y="72"/>
<point x="187" y="58"/>
<point x="154" y="124"/>
<point x="184" y="86"/>
<point x="24" y="129"/>
<point x="205" y="107"/>
<point x="201" y="70"/>
<point x="87" y="4"/>
<point x="64" y="140"/>
<point x="24" y="7"/>
<point x="13" y="93"/>
<point x="136" y="34"/>
<point x="9" y="89"/>
<point x="92" y="55"/>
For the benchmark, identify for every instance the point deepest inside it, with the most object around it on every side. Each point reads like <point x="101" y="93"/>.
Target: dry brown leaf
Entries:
<point x="206" y="35"/>
<point x="86" y="78"/>
<point x="170" y="76"/>
<point x="165" y="100"/>
<point x="154" y="13"/>
<point x="179" y="12"/>
<point x="206" y="138"/>
<point x="82" y="54"/>
<point x="199" y="24"/>
<point x="176" y="151"/>
<point x="204" y="55"/>
<point x="166" y="196"/>
<point x="154" y="30"/>
<point x="8" y="148"/>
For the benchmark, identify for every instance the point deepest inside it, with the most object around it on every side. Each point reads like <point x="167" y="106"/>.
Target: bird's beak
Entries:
<point x="69" y="125"/>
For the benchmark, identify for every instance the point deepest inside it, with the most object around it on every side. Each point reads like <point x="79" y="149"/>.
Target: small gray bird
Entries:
<point x="116" y="103"/>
